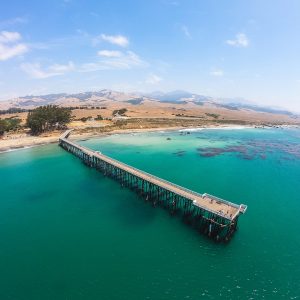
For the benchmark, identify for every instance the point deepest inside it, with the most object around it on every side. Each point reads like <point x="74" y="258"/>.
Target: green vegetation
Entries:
<point x="87" y="107"/>
<point x="99" y="118"/>
<point x="9" y="124"/>
<point x="120" y="112"/>
<point x="135" y="101"/>
<point x="84" y="119"/>
<point x="13" y="110"/>
<point x="215" y="116"/>
<point x="47" y="118"/>
<point x="187" y="116"/>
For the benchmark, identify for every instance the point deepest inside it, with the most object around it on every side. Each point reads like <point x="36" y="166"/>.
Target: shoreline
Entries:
<point x="81" y="137"/>
<point x="25" y="142"/>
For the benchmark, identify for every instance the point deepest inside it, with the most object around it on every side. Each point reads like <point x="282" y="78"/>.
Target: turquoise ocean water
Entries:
<point x="68" y="232"/>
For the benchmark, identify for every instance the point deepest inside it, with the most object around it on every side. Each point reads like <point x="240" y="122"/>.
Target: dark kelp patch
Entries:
<point x="180" y="153"/>
<point x="254" y="150"/>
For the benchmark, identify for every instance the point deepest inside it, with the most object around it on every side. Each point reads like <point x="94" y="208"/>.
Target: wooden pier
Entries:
<point x="212" y="216"/>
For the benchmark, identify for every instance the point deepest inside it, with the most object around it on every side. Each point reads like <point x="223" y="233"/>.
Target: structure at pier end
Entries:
<point x="210" y="215"/>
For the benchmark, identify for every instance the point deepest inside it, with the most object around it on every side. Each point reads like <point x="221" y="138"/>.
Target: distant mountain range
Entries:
<point x="106" y="97"/>
<point x="232" y="104"/>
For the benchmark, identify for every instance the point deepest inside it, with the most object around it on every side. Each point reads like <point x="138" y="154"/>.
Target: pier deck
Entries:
<point x="219" y="208"/>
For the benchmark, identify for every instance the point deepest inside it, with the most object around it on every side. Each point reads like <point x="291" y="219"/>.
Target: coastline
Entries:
<point x="26" y="141"/>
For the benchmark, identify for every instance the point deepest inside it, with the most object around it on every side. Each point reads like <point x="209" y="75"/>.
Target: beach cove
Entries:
<point x="69" y="231"/>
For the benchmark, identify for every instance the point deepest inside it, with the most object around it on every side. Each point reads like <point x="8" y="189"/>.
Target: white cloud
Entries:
<point x="9" y="52"/>
<point x="108" y="60"/>
<point x="241" y="40"/>
<point x="127" y="60"/>
<point x="62" y="68"/>
<point x="153" y="79"/>
<point x="9" y="36"/>
<point x="13" y="21"/>
<point x="119" y="40"/>
<point x="217" y="73"/>
<point x="9" y="46"/>
<point x="186" y="31"/>
<point x="35" y="70"/>
<point x="109" y="53"/>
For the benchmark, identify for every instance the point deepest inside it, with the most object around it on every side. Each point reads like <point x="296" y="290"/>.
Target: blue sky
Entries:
<point x="248" y="49"/>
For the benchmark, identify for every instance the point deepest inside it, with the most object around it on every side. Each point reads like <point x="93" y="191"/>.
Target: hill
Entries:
<point x="176" y="104"/>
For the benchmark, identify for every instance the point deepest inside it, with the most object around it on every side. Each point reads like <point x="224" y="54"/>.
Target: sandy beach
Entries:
<point x="26" y="141"/>
<point x="14" y="142"/>
<point x="20" y="141"/>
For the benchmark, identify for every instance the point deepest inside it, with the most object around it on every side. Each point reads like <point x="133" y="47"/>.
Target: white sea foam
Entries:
<point x="20" y="148"/>
<point x="232" y="127"/>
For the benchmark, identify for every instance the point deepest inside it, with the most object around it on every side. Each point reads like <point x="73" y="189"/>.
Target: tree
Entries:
<point x="47" y="118"/>
<point x="3" y="126"/>
<point x="120" y="112"/>
<point x="9" y="124"/>
<point x="13" y="123"/>
<point x="84" y="119"/>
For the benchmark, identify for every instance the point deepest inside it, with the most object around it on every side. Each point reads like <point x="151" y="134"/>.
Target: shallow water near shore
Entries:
<point x="68" y="232"/>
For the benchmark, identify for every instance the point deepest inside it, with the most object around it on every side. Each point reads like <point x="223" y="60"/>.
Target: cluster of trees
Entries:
<point x="88" y="107"/>
<point x="13" y="110"/>
<point x="120" y="112"/>
<point x="84" y="119"/>
<point x="90" y="118"/>
<point x="46" y="118"/>
<point x="9" y="124"/>
<point x="215" y="116"/>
